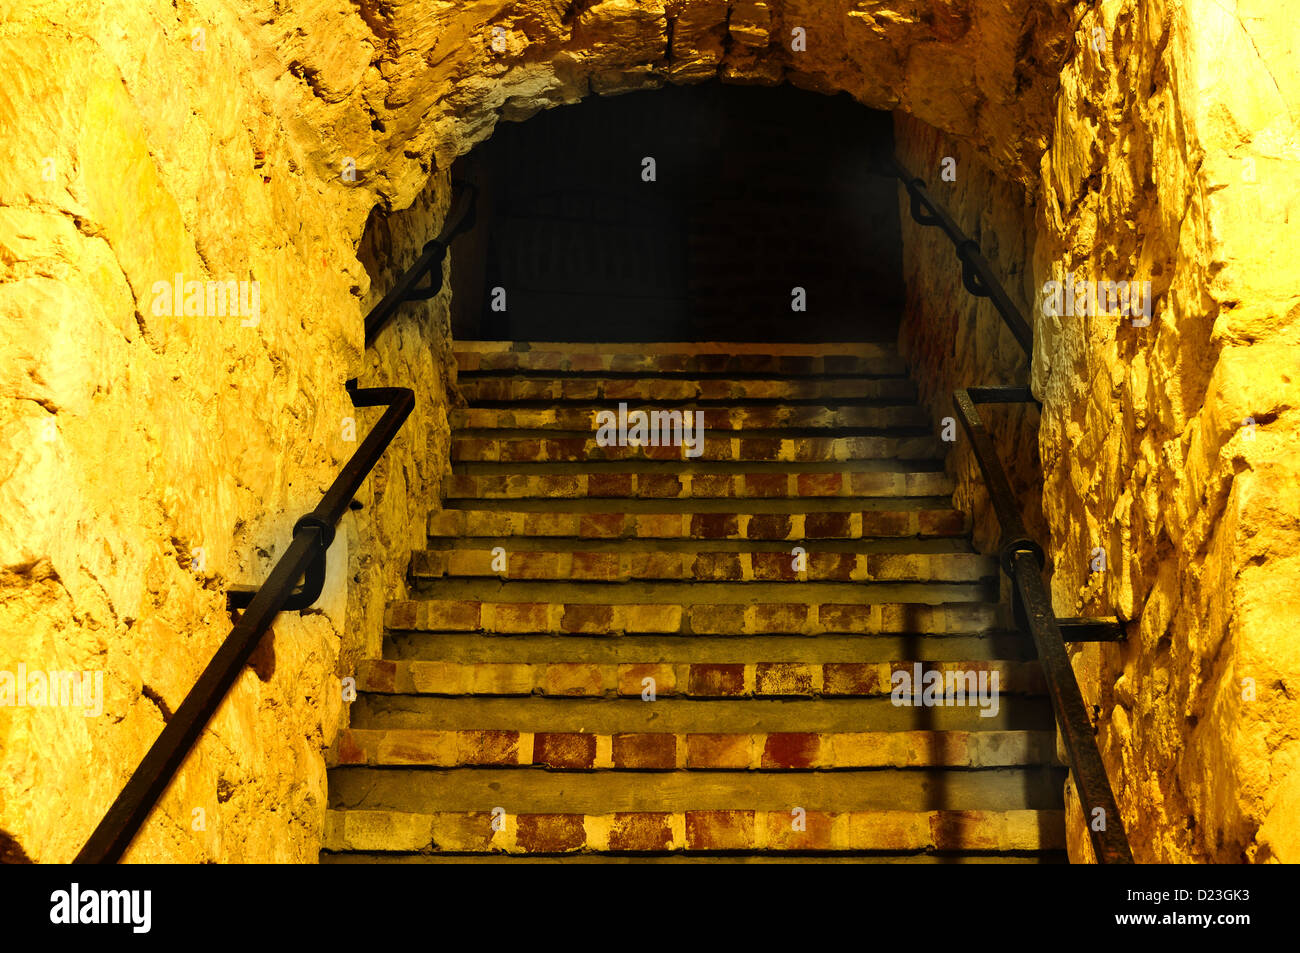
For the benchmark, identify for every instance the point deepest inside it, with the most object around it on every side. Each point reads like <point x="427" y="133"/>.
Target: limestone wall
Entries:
<point x="151" y="460"/>
<point x="1169" y="447"/>
<point x="1173" y="160"/>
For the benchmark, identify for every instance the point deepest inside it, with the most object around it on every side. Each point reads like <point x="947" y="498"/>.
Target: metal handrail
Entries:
<point x="1019" y="554"/>
<point x="1022" y="560"/>
<point x="459" y="219"/>
<point x="304" y="559"/>
<point x="976" y="274"/>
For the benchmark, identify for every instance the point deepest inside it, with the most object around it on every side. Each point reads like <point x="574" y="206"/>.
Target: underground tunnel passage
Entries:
<point x="893" y="468"/>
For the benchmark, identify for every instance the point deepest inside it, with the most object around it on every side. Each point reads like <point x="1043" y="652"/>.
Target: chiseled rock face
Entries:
<point x="1166" y="446"/>
<point x="1170" y="446"/>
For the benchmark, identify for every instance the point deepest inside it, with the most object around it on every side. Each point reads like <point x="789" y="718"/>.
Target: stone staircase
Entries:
<point x="617" y="653"/>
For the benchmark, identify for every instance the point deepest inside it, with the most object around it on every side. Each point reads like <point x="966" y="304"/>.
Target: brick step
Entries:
<point x="707" y="830"/>
<point x="748" y="618"/>
<point x="704" y="566"/>
<point x="553" y="389"/>
<point x="815" y="651"/>
<point x="674" y="674"/>
<point x="772" y="417"/>
<point x="555" y="446"/>
<point x="536" y="790"/>
<point x="689" y="593"/>
<point x="667" y="751"/>
<point x="615" y="485"/>
<point x="510" y="716"/>
<point x="695" y="857"/>
<point x="782" y="348"/>
<point x="865" y="359"/>
<point x="935" y="545"/>
<point x="658" y="519"/>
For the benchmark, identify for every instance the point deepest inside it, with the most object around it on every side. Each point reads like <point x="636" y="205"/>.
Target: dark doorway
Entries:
<point x="756" y="192"/>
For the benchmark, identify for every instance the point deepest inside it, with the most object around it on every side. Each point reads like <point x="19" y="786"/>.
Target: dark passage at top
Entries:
<point x="755" y="191"/>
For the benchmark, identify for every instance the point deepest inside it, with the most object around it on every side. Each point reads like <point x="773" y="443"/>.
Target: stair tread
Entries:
<point x="680" y="347"/>
<point x="474" y="649"/>
<point x="690" y="830"/>
<point x="428" y="790"/>
<point x="674" y="673"/>
<point x="672" y="751"/>
<point x="675" y="714"/>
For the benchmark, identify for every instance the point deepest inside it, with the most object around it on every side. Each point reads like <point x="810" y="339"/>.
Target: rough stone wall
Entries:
<point x="1173" y="160"/>
<point x="412" y="351"/>
<point x="1170" y="447"/>
<point x="151" y="461"/>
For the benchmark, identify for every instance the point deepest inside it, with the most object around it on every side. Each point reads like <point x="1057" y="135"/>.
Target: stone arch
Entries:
<point x="428" y="87"/>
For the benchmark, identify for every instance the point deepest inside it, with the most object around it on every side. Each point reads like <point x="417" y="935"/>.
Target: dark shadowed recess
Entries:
<point x="757" y="191"/>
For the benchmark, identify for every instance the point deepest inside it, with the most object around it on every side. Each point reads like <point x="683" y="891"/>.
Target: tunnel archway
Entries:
<point x="707" y="213"/>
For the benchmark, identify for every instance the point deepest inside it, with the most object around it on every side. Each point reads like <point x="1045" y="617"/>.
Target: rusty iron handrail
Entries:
<point x="304" y="559"/>
<point x="976" y="274"/>
<point x="1022" y="559"/>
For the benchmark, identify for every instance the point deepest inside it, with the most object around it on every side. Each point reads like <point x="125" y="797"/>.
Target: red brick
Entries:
<point x="834" y="566"/>
<point x="845" y="618"/>
<point x="564" y="749"/>
<point x="722" y="751"/>
<point x="941" y="522"/>
<point x="468" y="448"/>
<point x="587" y="619"/>
<point x="349" y="749"/>
<point x="717" y="567"/>
<point x="521" y="450"/>
<point x="601" y="525"/>
<point x="766" y="484"/>
<point x="778" y="565"/>
<point x="645" y="750"/>
<point x="760" y="448"/>
<point x="655" y="565"/>
<point x="886" y="523"/>
<point x="712" y="486"/>
<point x="816" y="835"/>
<point x="714" y="525"/>
<point x="716" y="680"/>
<point x="603" y="566"/>
<point x="850" y="678"/>
<point x="819" y="484"/>
<point x="490" y="747"/>
<point x="719" y="830"/>
<point x="641" y="831"/>
<point x="827" y="526"/>
<point x="610" y="484"/>
<point x="550" y="833"/>
<point x="662" y="453"/>
<point x="572" y="448"/>
<point x="791" y="750"/>
<point x="768" y="526"/>
<point x="780" y="617"/>
<point x="658" y="486"/>
<point x="782" y="678"/>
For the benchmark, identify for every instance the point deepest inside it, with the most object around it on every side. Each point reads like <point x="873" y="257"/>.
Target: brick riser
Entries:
<point x="507" y="720"/>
